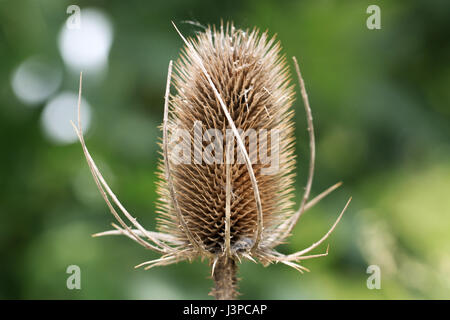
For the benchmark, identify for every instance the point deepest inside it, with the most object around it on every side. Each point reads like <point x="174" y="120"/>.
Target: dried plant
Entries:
<point x="228" y="79"/>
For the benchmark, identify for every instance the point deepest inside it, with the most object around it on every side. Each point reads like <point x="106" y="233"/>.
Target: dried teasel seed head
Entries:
<point x="226" y="179"/>
<point x="253" y="80"/>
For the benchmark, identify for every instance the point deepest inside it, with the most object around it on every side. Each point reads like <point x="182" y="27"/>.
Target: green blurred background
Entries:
<point x="380" y="101"/>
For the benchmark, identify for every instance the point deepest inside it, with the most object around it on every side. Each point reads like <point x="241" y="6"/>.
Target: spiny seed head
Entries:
<point x="253" y="80"/>
<point x="228" y="195"/>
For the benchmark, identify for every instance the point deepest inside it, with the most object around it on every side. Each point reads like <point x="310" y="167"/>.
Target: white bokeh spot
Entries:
<point x="35" y="80"/>
<point x="57" y="115"/>
<point x="87" y="48"/>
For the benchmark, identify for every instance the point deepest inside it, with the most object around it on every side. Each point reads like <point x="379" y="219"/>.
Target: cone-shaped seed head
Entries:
<point x="253" y="80"/>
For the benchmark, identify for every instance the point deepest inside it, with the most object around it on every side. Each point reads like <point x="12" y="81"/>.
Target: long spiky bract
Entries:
<point x="231" y="81"/>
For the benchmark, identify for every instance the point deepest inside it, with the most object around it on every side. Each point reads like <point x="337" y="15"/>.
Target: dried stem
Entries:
<point x="225" y="279"/>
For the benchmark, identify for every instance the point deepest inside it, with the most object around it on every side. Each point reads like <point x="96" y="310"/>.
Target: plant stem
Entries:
<point x="225" y="280"/>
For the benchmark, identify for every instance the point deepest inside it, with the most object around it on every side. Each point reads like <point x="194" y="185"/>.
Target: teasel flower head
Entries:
<point x="226" y="178"/>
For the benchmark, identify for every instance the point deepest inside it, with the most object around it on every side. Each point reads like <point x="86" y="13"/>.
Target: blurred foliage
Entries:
<point x="380" y="101"/>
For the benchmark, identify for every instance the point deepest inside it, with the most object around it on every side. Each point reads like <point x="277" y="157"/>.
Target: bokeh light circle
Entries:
<point x="36" y="79"/>
<point x="58" y="112"/>
<point x="87" y="47"/>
